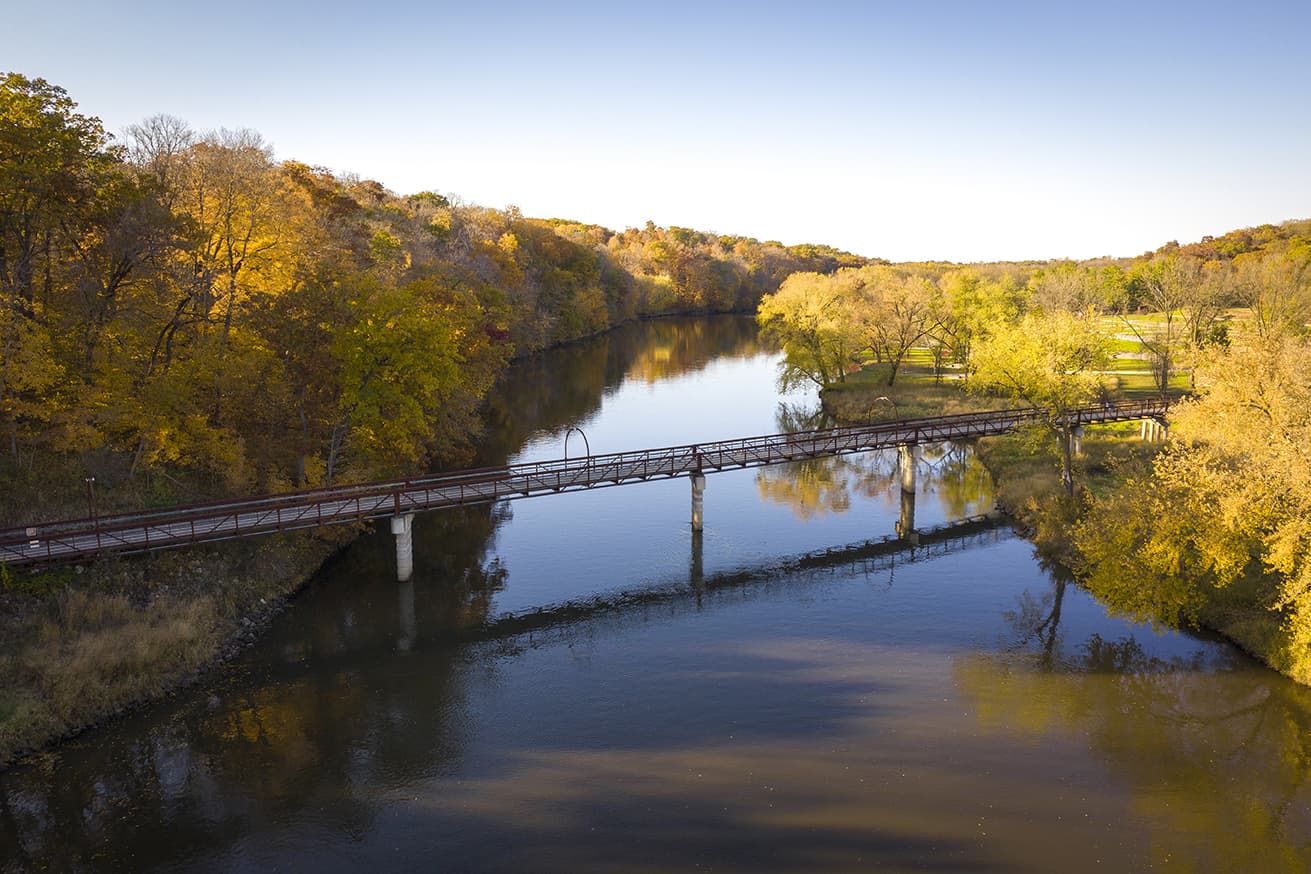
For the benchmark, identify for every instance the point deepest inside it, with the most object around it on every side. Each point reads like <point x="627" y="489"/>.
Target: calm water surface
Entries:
<point x="574" y="684"/>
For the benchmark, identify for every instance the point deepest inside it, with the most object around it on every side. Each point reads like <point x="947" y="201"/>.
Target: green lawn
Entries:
<point x="865" y="396"/>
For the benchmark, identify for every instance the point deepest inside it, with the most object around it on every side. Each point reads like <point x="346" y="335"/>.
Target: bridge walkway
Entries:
<point x="150" y="530"/>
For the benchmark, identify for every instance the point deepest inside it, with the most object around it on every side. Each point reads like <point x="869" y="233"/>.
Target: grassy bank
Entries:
<point x="917" y="392"/>
<point x="81" y="644"/>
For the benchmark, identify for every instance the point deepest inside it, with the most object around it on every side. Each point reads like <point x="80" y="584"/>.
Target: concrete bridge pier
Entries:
<point x="907" y="459"/>
<point x="1076" y="441"/>
<point x="698" y="497"/>
<point x="403" y="528"/>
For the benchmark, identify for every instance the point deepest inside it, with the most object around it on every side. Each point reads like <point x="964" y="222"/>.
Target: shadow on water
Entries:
<point x="423" y="620"/>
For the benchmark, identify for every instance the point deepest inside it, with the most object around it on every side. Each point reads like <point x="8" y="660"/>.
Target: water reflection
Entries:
<point x="342" y="717"/>
<point x="310" y="711"/>
<point x="668" y="348"/>
<point x="1215" y="751"/>
<point x="807" y="750"/>
<point x="551" y="391"/>
<point x="945" y="473"/>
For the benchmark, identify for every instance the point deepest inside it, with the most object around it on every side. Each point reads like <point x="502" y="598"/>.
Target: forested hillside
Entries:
<point x="182" y="315"/>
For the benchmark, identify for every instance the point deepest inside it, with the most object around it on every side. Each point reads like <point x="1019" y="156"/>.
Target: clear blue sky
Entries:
<point x="961" y="131"/>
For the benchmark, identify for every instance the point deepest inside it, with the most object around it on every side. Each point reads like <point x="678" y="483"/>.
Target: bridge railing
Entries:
<point x="336" y="504"/>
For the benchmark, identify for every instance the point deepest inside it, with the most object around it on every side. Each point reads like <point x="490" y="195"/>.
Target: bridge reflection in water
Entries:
<point x="878" y="556"/>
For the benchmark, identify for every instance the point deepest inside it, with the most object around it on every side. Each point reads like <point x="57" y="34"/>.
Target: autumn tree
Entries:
<point x="1226" y="508"/>
<point x="1275" y="285"/>
<point x="53" y="161"/>
<point x="158" y="148"/>
<point x="1165" y="286"/>
<point x="1048" y="362"/>
<point x="892" y="312"/>
<point x="1065" y="287"/>
<point x="230" y="192"/>
<point x="812" y="317"/>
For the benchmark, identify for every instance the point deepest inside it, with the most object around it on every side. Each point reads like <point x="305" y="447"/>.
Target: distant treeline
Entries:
<point x="181" y="310"/>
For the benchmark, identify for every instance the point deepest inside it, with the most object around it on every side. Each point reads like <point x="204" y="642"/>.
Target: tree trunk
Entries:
<point x="1067" y="459"/>
<point x="334" y="451"/>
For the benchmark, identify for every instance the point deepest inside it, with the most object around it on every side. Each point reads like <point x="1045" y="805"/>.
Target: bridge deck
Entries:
<point x="226" y="520"/>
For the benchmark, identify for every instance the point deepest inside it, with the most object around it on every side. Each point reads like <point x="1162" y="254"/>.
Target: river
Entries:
<point x="577" y="683"/>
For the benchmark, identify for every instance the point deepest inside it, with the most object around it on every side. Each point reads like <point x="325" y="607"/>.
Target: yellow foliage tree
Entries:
<point x="1224" y="519"/>
<point x="1046" y="361"/>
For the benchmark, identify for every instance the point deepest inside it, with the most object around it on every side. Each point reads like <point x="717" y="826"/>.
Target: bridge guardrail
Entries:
<point x="217" y="520"/>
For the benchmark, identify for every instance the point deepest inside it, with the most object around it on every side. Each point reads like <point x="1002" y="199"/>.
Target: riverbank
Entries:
<point x="1030" y="492"/>
<point x="83" y="644"/>
<point x="532" y="662"/>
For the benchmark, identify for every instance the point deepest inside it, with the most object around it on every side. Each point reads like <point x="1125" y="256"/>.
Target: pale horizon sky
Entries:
<point x="962" y="132"/>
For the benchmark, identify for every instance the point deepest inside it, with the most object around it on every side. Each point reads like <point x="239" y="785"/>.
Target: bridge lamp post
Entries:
<point x="91" y="507"/>
<point x="91" y="497"/>
<point x="586" y="445"/>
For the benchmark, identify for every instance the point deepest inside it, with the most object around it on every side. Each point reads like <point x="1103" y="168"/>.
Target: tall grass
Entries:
<point x="76" y="648"/>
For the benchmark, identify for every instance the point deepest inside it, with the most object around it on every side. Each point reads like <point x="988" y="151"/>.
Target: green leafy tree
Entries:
<point x="52" y="161"/>
<point x="966" y="308"/>
<point x="412" y="364"/>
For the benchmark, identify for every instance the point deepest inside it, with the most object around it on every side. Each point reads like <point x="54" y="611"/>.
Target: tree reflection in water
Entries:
<point x="948" y="473"/>
<point x="1216" y="751"/>
<point x="554" y="390"/>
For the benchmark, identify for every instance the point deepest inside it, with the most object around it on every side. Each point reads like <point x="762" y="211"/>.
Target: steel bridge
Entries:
<point x="150" y="530"/>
